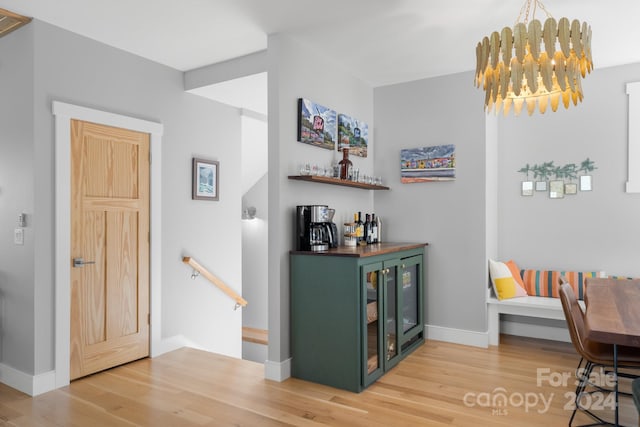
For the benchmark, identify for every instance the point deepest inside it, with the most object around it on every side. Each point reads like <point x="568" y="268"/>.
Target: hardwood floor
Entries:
<point x="440" y="384"/>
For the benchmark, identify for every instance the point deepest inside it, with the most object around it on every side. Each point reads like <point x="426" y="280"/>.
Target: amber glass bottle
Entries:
<point x="345" y="164"/>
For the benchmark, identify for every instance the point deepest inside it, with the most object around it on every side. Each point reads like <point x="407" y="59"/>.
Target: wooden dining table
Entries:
<point x="613" y="316"/>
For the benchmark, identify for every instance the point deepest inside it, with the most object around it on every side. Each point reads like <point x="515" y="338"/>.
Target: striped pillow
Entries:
<point x="544" y="283"/>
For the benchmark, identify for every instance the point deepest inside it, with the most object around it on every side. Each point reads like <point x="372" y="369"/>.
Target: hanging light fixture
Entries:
<point x="513" y="70"/>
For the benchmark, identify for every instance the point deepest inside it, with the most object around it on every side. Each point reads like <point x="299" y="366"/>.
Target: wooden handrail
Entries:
<point x="213" y="279"/>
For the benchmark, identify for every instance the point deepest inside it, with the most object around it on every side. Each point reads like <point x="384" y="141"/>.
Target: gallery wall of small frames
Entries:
<point x="557" y="181"/>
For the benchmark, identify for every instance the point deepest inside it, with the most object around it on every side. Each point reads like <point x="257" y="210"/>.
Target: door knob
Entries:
<point x="79" y="262"/>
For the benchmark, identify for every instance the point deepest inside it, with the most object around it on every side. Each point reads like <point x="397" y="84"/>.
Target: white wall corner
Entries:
<point x="457" y="336"/>
<point x="277" y="371"/>
<point x="166" y="345"/>
<point x="44" y="382"/>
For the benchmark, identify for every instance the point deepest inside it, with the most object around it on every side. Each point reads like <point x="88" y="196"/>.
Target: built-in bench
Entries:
<point x="530" y="306"/>
<point x="546" y="306"/>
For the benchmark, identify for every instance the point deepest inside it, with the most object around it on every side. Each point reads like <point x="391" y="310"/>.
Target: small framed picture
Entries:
<point x="570" y="188"/>
<point x="556" y="189"/>
<point x="585" y="183"/>
<point x="205" y="184"/>
<point x="527" y="188"/>
<point x="541" y="185"/>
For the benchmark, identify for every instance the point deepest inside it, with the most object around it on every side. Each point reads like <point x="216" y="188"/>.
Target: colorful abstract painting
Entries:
<point x="354" y="134"/>
<point x="436" y="163"/>
<point x="316" y="124"/>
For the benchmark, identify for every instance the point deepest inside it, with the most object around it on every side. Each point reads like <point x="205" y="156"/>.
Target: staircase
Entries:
<point x="256" y="336"/>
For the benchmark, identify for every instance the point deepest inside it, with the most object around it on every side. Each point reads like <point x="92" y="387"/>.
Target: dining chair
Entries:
<point x="635" y="391"/>
<point x="593" y="354"/>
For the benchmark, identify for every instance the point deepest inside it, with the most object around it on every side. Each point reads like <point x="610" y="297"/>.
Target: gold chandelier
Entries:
<point x="513" y="70"/>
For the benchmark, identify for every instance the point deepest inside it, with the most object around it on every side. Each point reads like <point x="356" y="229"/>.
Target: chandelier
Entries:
<point x="513" y="70"/>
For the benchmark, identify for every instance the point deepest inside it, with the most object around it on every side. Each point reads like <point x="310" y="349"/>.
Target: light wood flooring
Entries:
<point x="193" y="388"/>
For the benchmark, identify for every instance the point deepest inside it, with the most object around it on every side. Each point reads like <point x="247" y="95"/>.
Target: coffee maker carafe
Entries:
<point x="314" y="229"/>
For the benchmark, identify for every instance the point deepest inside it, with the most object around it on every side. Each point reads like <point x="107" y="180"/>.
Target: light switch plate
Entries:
<point x="18" y="236"/>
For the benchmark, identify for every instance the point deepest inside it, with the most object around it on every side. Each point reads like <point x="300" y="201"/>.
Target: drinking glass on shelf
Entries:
<point x="305" y="169"/>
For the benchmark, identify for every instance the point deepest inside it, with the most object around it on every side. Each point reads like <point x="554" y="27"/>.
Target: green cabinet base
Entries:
<point x="332" y="339"/>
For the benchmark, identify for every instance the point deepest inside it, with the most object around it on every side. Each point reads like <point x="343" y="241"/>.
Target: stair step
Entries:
<point x="257" y="336"/>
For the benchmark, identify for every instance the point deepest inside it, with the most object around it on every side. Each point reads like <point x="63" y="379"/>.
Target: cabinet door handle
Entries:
<point x="403" y="266"/>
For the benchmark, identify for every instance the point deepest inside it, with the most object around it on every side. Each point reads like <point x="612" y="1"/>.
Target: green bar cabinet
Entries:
<point x="355" y="312"/>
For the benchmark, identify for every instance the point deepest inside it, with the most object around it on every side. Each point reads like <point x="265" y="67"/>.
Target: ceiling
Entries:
<point x="380" y="41"/>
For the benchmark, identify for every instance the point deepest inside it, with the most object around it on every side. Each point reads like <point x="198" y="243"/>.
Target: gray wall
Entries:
<point x="17" y="173"/>
<point x="297" y="71"/>
<point x="450" y="216"/>
<point x="48" y="63"/>
<point x="591" y="230"/>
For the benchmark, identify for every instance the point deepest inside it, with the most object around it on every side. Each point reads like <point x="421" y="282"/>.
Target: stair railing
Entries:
<point x="199" y="269"/>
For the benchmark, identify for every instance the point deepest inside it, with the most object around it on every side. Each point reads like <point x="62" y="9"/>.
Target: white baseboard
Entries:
<point x="43" y="383"/>
<point x="457" y="336"/>
<point x="32" y="385"/>
<point x="170" y="344"/>
<point x="534" y="331"/>
<point x="481" y="339"/>
<point x="277" y="371"/>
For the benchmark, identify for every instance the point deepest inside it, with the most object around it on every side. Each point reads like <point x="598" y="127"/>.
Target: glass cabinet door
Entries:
<point x="392" y="318"/>
<point x="373" y="320"/>
<point x="391" y="342"/>
<point x="411" y="299"/>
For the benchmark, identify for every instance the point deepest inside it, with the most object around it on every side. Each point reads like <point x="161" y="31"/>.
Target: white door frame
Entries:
<point x="64" y="113"/>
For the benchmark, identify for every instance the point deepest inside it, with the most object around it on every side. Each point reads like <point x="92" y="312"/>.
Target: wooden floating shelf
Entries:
<point x="337" y="181"/>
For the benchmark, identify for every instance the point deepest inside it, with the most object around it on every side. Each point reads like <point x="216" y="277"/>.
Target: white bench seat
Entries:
<point x="531" y="306"/>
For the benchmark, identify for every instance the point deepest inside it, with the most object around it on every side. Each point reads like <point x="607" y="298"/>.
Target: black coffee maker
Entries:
<point x="314" y="229"/>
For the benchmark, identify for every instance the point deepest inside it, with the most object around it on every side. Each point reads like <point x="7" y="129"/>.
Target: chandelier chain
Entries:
<point x="526" y="11"/>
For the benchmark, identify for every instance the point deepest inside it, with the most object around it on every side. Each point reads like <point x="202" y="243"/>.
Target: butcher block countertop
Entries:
<point x="365" y="250"/>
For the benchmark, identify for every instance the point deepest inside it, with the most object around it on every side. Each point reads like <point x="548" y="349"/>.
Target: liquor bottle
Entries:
<point x="379" y="226"/>
<point x="360" y="226"/>
<point x="374" y="228"/>
<point x="356" y="228"/>
<point x="367" y="229"/>
<point x="345" y="164"/>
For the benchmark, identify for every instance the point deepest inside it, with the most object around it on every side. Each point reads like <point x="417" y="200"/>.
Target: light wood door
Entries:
<point x="110" y="233"/>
